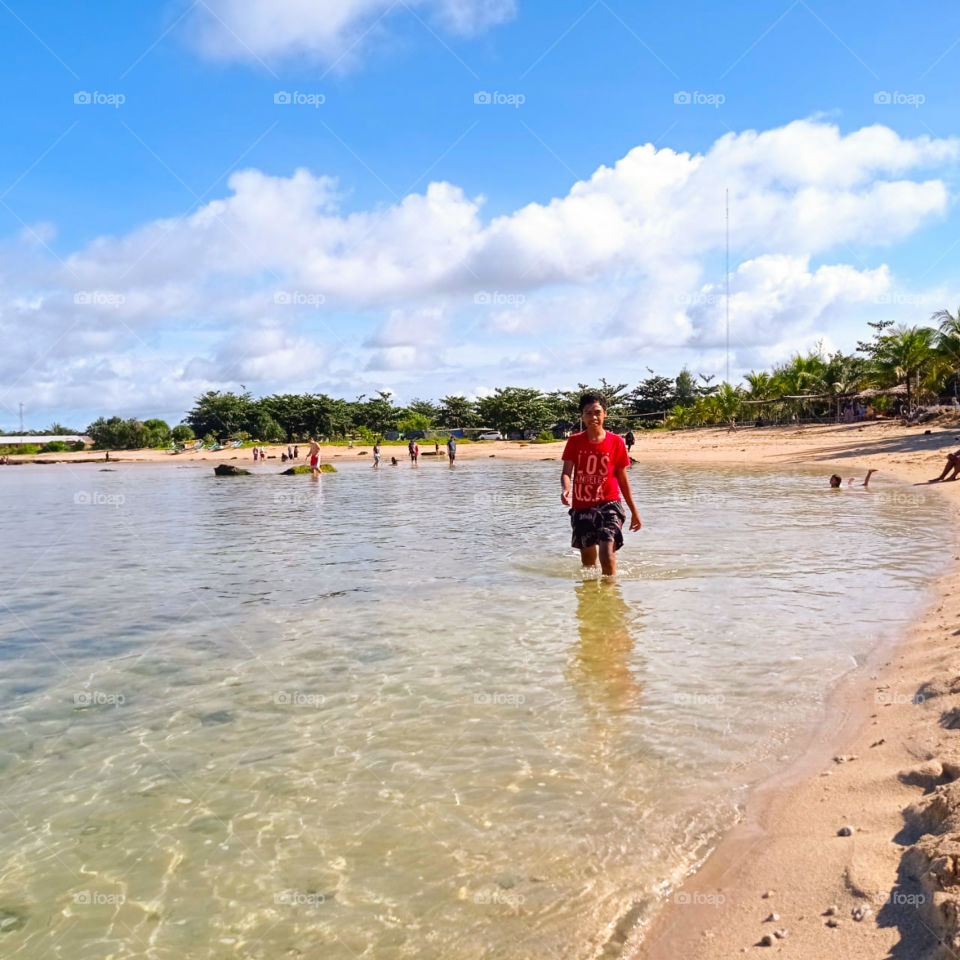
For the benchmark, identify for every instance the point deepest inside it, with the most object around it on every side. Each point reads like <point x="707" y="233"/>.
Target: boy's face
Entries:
<point x="593" y="415"/>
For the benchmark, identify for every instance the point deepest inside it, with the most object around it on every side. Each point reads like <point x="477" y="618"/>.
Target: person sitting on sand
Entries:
<point x="393" y="461"/>
<point x="952" y="464"/>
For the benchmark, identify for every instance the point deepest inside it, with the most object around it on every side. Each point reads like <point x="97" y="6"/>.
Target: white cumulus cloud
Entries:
<point x="330" y="30"/>
<point x="278" y="286"/>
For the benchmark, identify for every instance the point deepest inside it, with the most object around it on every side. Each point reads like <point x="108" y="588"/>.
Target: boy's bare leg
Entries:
<point x="608" y="558"/>
<point x="588" y="556"/>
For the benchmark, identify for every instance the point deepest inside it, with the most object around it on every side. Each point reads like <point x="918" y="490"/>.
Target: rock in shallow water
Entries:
<point x="218" y="716"/>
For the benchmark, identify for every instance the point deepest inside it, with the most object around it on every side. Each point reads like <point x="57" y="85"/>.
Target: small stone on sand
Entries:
<point x="772" y="918"/>
<point x="846" y="831"/>
<point x="766" y="940"/>
<point x="833" y="922"/>
<point x="831" y="911"/>
<point x="780" y="934"/>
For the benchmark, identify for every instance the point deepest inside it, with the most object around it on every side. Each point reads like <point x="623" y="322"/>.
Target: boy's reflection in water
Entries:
<point x="600" y="669"/>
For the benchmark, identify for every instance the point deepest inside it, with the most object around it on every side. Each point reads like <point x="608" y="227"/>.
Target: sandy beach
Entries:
<point x="885" y="763"/>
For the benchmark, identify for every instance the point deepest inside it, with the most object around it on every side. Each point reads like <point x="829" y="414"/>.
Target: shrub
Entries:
<point x="545" y="436"/>
<point x="156" y="433"/>
<point x="54" y="446"/>
<point x="182" y="432"/>
<point x="77" y="446"/>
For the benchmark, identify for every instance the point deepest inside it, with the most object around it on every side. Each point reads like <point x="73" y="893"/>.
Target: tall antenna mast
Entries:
<point x="728" y="280"/>
<point x="21" y="418"/>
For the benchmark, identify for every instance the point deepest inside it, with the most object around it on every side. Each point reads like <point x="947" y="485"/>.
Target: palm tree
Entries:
<point x="801" y="376"/>
<point x="843" y="377"/>
<point x="905" y="354"/>
<point x="680" y="417"/>
<point x="726" y="403"/>
<point x="948" y="341"/>
<point x="761" y="385"/>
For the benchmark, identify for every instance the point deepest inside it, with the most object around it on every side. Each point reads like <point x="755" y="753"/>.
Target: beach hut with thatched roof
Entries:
<point x="898" y="391"/>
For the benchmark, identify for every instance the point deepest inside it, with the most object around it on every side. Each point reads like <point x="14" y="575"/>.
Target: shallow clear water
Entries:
<point x="386" y="715"/>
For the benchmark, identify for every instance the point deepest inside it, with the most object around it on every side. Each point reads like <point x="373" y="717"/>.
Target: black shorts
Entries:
<point x="598" y="524"/>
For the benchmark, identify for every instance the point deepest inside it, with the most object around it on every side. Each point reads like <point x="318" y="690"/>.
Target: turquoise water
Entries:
<point x="387" y="715"/>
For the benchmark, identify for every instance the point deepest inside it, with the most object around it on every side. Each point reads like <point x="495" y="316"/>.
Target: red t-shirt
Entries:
<point x="593" y="465"/>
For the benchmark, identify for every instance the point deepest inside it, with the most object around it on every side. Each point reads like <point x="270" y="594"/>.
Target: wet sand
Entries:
<point x="885" y="763"/>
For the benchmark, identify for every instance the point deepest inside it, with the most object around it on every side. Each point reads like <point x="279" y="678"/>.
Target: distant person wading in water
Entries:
<point x="314" y="456"/>
<point x="595" y="471"/>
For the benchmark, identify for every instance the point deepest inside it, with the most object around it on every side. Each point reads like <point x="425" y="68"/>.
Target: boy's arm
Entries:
<point x="621" y="475"/>
<point x="566" y="482"/>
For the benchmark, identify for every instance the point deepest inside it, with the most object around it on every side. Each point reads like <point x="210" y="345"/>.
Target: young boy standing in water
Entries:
<point x="595" y="466"/>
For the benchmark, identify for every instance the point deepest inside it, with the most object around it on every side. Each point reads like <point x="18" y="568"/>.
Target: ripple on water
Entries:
<point x="409" y="736"/>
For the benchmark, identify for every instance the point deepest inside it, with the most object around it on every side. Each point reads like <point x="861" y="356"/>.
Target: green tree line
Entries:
<point x="923" y="361"/>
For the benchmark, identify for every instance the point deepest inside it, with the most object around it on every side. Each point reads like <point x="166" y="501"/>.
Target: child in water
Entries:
<point x="595" y="471"/>
<point x="836" y="481"/>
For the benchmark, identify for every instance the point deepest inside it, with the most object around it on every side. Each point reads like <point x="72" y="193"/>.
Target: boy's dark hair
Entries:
<point x="835" y="481"/>
<point x="587" y="398"/>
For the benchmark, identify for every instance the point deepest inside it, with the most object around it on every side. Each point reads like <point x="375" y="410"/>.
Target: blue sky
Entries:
<point x="137" y="274"/>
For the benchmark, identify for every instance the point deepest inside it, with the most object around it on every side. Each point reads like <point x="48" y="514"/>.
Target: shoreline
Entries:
<point x="786" y="845"/>
<point x="787" y="842"/>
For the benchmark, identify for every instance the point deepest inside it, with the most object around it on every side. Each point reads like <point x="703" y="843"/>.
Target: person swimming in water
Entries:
<point x="836" y="481"/>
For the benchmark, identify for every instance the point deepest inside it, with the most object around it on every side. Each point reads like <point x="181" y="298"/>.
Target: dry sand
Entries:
<point x="897" y="722"/>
